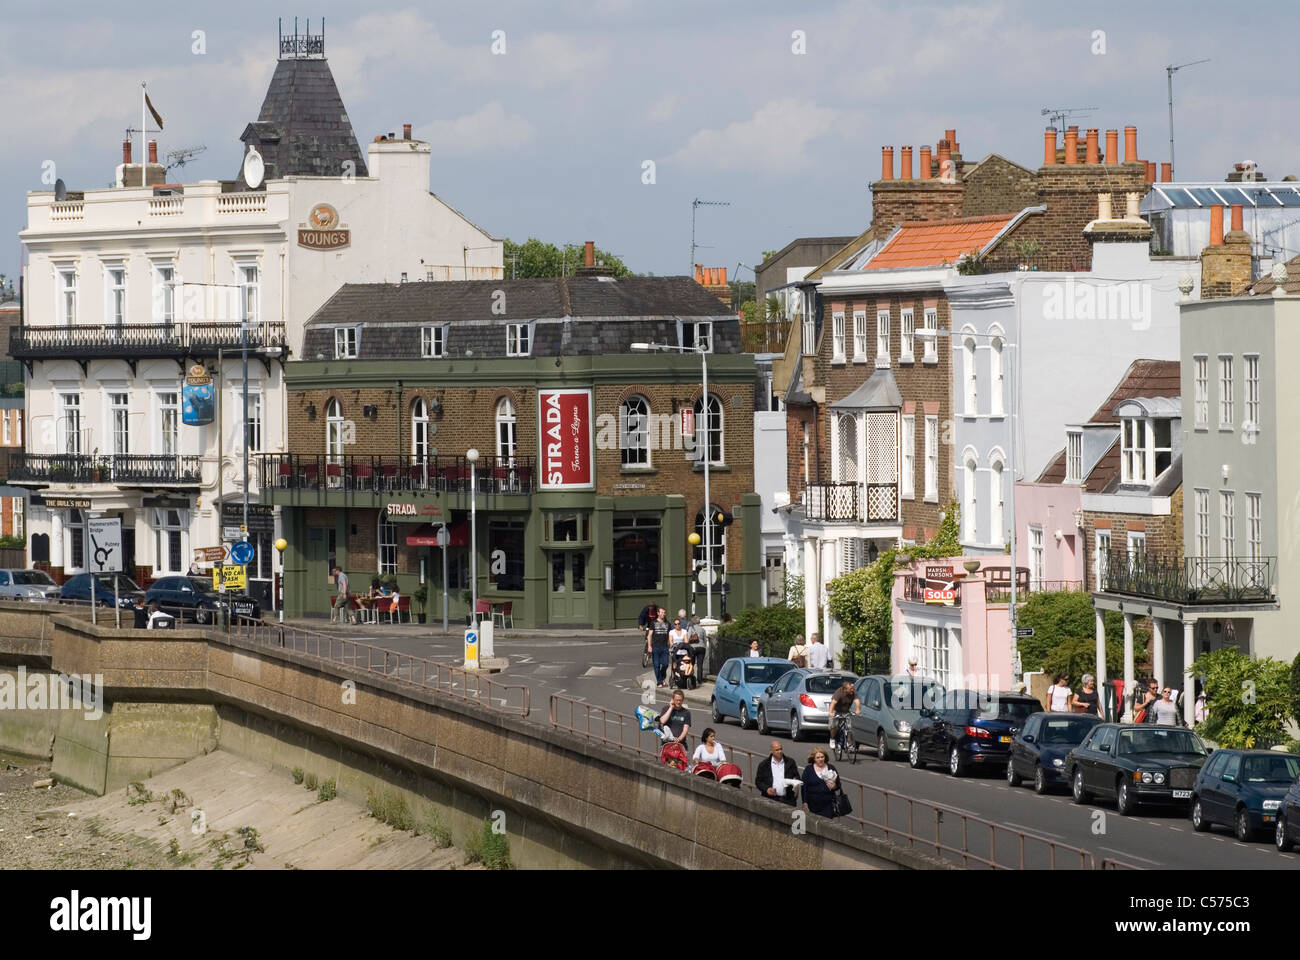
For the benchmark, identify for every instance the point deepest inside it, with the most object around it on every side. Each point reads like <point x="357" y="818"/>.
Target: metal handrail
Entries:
<point x="623" y="732"/>
<point x="382" y="474"/>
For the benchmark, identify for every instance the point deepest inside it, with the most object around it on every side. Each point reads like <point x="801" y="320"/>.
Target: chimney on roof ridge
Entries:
<point x="589" y="248"/>
<point x="1226" y="262"/>
<point x="1216" y="225"/>
<point x="1112" y="147"/>
<point x="1091" y="156"/>
<point x="1049" y="146"/>
<point x="1130" y="144"/>
<point x="1166" y="172"/>
<point x="126" y="150"/>
<point x="886" y="163"/>
<point x="406" y="131"/>
<point x="925" y="163"/>
<point x="1151" y="171"/>
<point x="905" y="164"/>
<point x="1071" y="144"/>
<point x="153" y="151"/>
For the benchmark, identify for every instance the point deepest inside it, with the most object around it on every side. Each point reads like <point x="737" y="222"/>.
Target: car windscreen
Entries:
<point x="33" y="578"/>
<point x="1134" y="742"/>
<point x="1283" y="769"/>
<point x="762" y="674"/>
<point x="827" y="683"/>
<point x="200" y="585"/>
<point x="908" y="695"/>
<point x="1068" y="731"/>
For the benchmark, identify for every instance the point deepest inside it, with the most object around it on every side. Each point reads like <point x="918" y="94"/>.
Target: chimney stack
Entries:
<point x="951" y="137"/>
<point x="406" y="131"/>
<point x="126" y="150"/>
<point x="945" y="154"/>
<point x="589" y="249"/>
<point x="905" y="164"/>
<point x="1166" y="172"/>
<point x="153" y="151"/>
<point x="886" y="163"/>
<point x="925" y="163"/>
<point x="1071" y="144"/>
<point x="1092" y="146"/>
<point x="1112" y="146"/>
<point x="1130" y="144"/>
<point x="1103" y="206"/>
<point x="699" y="274"/>
<point x="1049" y="146"/>
<point x="1226" y="262"/>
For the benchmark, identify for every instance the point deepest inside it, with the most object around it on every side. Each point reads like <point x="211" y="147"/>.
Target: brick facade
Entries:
<point x="996" y="185"/>
<point x="1164" y="535"/>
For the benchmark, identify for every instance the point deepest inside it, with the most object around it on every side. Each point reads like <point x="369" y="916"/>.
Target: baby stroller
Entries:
<point x="729" y="774"/>
<point x="674" y="755"/>
<point x="705" y="769"/>
<point x="683" y="674"/>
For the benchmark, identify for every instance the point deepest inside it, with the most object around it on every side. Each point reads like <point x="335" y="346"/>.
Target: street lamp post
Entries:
<point x="472" y="456"/>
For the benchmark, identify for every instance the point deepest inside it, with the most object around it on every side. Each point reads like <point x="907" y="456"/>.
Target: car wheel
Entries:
<point x="1280" y="839"/>
<point x="713" y="707"/>
<point x="1199" y="823"/>
<point x="1124" y="801"/>
<point x="882" y="746"/>
<point x="914" y="755"/>
<point x="1013" y="778"/>
<point x="1077" y="791"/>
<point x="796" y="731"/>
<point x="956" y="766"/>
<point x="1245" y="833"/>
<point x="1040" y="779"/>
<point x="745" y="722"/>
<point x="762" y="722"/>
<point x="202" y="616"/>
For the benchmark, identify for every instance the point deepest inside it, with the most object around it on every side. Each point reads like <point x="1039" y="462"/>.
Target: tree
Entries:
<point x="1066" y="618"/>
<point x="742" y="290"/>
<point x="1247" y="699"/>
<point x="861" y="601"/>
<point x="1076" y="656"/>
<point x="535" y="258"/>
<point x="774" y="627"/>
<point x="749" y="312"/>
<point x="1295" y="689"/>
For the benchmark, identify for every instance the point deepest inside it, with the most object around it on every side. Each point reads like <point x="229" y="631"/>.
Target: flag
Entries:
<point x="156" y="119"/>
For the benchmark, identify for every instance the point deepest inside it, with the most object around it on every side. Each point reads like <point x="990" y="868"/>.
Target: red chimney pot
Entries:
<point x="886" y="163"/>
<point x="126" y="150"/>
<point x="406" y="131"/>
<point x="1166" y="172"/>
<point x="589" y="247"/>
<point x="1216" y="225"/>
<point x="905" y="164"/>
<point x="1071" y="144"/>
<point x="1112" y="147"/>
<point x="1091" y="147"/>
<point x="1131" y="145"/>
<point x="153" y="151"/>
<point x="1236" y="216"/>
<point x="925" y="163"/>
<point x="1049" y="146"/>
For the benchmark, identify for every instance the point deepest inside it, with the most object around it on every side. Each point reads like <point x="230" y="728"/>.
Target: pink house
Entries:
<point x="1049" y="517"/>
<point x="953" y="616"/>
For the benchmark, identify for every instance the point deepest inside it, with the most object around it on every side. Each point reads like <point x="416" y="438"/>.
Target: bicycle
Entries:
<point x="843" y="739"/>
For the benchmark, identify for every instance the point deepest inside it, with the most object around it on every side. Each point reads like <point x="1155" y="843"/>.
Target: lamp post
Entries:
<point x="280" y="545"/>
<point x="472" y="456"/>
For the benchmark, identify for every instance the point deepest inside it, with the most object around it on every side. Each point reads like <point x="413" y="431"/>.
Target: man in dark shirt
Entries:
<point x="656" y="641"/>
<point x="677" y="718"/>
<point x="141" y="614"/>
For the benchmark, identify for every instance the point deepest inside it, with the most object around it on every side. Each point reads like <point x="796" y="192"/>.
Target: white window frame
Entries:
<point x="1251" y="362"/>
<point x="507" y="429"/>
<point x="519" y="341"/>
<point x="634" y="433"/>
<point x="71" y="426"/>
<point x="346" y="342"/>
<point x="882" y="338"/>
<point x="167" y="405"/>
<point x="248" y="276"/>
<point x="704" y="426"/>
<point x="164" y="291"/>
<point x="970" y="376"/>
<point x="119" y="420"/>
<point x="1074" y="456"/>
<point x="970" y="502"/>
<point x="1037" y="553"/>
<point x="860" y="336"/>
<point x="932" y="458"/>
<point x="18" y="517"/>
<point x="837" y="337"/>
<point x="7" y="441"/>
<point x="907" y="325"/>
<point x="1225" y="391"/>
<point x="693" y="331"/>
<point x="114" y="294"/>
<point x="433" y="341"/>
<point x="419" y="431"/>
<point x="334" y="430"/>
<point x="1135" y="450"/>
<point x="1136" y="541"/>
<point x="997" y="501"/>
<point x="1227" y="523"/>
<point x="930" y="317"/>
<point x="1201" y="390"/>
<point x="1202" y="505"/>
<point x="65" y="304"/>
<point x="256" y="413"/>
<point x="908" y="491"/>
<point x="997" y="378"/>
<point x="74" y="531"/>
<point x="386" y="545"/>
<point x="1102" y="552"/>
<point x="809" y="336"/>
<point x="1254" y="525"/>
<point x="164" y="528"/>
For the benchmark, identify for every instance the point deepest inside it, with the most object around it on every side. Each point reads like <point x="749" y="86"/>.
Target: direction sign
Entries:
<point x="231" y="533"/>
<point x="209" y="554"/>
<point x="471" y="648"/>
<point x="230" y="576"/>
<point x="1024" y="631"/>
<point x="242" y="552"/>
<point x="105" y="544"/>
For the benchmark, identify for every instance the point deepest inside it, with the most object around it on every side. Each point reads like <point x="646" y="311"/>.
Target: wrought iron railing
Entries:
<point x="768" y="337"/>
<point x="123" y="469"/>
<point x="851" y="502"/>
<point x="177" y="339"/>
<point x="1191" y="579"/>
<point x="997" y="584"/>
<point x="378" y="474"/>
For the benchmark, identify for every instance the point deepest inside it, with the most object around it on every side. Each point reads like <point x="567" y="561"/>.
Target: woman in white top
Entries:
<point x="709" y="750"/>
<point x="1058" y="695"/>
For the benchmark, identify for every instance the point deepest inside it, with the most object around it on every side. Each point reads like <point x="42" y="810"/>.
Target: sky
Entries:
<point x="603" y="119"/>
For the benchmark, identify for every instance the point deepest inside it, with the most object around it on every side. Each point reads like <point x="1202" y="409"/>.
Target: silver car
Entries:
<point x="27" y="585"/>
<point x="890" y="706"/>
<point x="801" y="701"/>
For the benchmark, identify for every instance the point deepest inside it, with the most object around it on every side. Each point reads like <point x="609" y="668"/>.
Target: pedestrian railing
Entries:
<point x="468" y="685"/>
<point x="946" y="832"/>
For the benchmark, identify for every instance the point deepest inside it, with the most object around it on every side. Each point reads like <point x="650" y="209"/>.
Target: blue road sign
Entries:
<point x="242" y="552"/>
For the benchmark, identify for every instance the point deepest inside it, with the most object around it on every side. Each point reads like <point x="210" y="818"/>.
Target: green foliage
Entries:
<point x="1247" y="699"/>
<point x="435" y="829"/>
<point x="328" y="791"/>
<point x="946" y="541"/>
<point x="1064" y="622"/>
<point x="13" y="543"/>
<point x="535" y="258"/>
<point x="1075" y="656"/>
<point x="772" y="310"/>
<point x="767" y="255"/>
<point x="861" y="601"/>
<point x="390" y="807"/>
<point x="489" y="848"/>
<point x="749" y="312"/>
<point x="794" y="591"/>
<point x="1295" y="689"/>
<point x="420" y="596"/>
<point x="774" y="627"/>
<point x="298" y="775"/>
<point x="742" y="290"/>
<point x="971" y="264"/>
<point x="310" y="781"/>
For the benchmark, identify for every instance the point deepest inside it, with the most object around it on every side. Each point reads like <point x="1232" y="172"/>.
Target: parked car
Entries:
<point x="1039" y="750"/>
<point x="1135" y="764"/>
<point x="194" y="598"/>
<point x="77" y="588"/>
<point x="1286" y="832"/>
<point x="27" y="585"/>
<point x="969" y="727"/>
<point x="741" y="682"/>
<point x="890" y="708"/>
<point x="1243" y="789"/>
<point x="800" y="701"/>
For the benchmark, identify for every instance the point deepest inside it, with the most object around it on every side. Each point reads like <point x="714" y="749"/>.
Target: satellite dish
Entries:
<point x="60" y="190"/>
<point x="254" y="168"/>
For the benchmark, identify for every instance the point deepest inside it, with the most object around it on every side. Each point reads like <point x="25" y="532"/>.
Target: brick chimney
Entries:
<point x="1225" y="263"/>
<point x="406" y="131"/>
<point x="126" y="150"/>
<point x="911" y="197"/>
<point x="588" y="248"/>
<point x="153" y="151"/>
<point x="1166" y="172"/>
<point x="714" y="280"/>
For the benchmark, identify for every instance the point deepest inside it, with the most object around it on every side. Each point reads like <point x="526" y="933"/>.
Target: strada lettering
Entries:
<point x="554" y="449"/>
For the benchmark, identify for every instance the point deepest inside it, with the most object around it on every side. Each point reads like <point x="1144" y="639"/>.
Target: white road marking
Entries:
<point x="1131" y="856"/>
<point x="1034" y="830"/>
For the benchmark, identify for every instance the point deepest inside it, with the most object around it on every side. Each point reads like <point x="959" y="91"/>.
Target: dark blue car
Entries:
<point x="77" y="589"/>
<point x="1243" y="789"/>
<point x="969" y="728"/>
<point x="1038" y="750"/>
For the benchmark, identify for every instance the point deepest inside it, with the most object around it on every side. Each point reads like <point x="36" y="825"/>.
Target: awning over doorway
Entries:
<point x="426" y="535"/>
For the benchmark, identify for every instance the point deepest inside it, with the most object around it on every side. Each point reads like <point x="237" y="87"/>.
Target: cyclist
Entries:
<point x="844" y="700"/>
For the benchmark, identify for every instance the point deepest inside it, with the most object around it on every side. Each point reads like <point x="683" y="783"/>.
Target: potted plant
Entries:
<point x="419" y="596"/>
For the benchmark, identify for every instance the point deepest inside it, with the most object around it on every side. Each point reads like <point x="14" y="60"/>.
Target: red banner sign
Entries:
<point x="688" y="422"/>
<point x="566" y="439"/>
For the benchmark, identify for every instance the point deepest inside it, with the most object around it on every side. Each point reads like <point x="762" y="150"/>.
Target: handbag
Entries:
<point x="840" y="805"/>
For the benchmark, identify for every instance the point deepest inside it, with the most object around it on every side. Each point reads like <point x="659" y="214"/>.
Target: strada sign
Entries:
<point x="566" y="439"/>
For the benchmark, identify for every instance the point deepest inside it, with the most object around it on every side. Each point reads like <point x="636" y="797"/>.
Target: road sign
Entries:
<point x="444" y="537"/>
<point x="1024" y="631"/>
<point x="105" y="544"/>
<point x="707" y="576"/>
<point x="231" y="576"/>
<point x="242" y="552"/>
<point x="209" y="554"/>
<point x="231" y="533"/>
<point x="471" y="648"/>
<point x="688" y="422"/>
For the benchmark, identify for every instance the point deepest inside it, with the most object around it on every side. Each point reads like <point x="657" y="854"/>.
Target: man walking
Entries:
<point x="343" y="600"/>
<point x="771" y="776"/>
<point x="819" y="657"/>
<point x="656" y="644"/>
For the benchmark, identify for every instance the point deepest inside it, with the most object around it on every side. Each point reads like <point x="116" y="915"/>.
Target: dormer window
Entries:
<point x="1074" y="457"/>
<point x="1146" y="449"/>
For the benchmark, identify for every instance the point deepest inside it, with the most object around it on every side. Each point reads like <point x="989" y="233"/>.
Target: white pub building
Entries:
<point x="129" y="290"/>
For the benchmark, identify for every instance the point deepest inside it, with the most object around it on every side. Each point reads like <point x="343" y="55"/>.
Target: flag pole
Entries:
<point x="144" y="136"/>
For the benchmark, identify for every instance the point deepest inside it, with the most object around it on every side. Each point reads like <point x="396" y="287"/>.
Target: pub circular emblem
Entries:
<point x="323" y="217"/>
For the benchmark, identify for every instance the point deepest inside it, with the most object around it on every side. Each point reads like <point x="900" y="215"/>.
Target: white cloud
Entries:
<point x="490" y="128"/>
<point x="664" y="109"/>
<point x="773" y="141"/>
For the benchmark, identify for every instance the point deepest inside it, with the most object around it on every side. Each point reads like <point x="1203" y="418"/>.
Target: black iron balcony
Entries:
<point x="129" y="470"/>
<point x="376" y="475"/>
<point x="179" y="339"/>
<point x="1190" y="580"/>
<point x="914" y="590"/>
<point x="851" y="502"/>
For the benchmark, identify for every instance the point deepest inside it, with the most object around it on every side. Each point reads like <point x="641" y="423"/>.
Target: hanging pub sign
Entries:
<point x="322" y="230"/>
<point x="566" y="439"/>
<point x="197" y="400"/>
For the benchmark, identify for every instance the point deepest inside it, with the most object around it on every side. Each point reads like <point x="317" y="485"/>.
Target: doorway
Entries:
<point x="320" y="560"/>
<point x="568" y="587"/>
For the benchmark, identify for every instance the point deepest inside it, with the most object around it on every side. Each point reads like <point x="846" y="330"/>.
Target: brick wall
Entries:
<point x="1164" y="535"/>
<point x="894" y="201"/>
<point x="998" y="186"/>
<point x="1070" y="193"/>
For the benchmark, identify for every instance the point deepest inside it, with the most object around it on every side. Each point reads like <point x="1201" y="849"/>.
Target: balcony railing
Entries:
<point x="1190" y="580"/>
<point x="123" y="469"/>
<point x="851" y="502"/>
<point x="767" y="337"/>
<point x="179" y="339"/>
<point x="914" y="590"/>
<point x="997" y="584"/>
<point x="376" y="475"/>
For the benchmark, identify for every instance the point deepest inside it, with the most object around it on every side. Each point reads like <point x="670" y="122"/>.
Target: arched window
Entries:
<point x="634" y="431"/>
<point x="333" y="431"/>
<point x="708" y="429"/>
<point x="997" y="499"/>
<point x="968" y="502"/>
<point x="848" y="465"/>
<point x="505" y="429"/>
<point x="717" y="556"/>
<point x="997" y="405"/>
<point x="419" y="431"/>
<point x="972" y="392"/>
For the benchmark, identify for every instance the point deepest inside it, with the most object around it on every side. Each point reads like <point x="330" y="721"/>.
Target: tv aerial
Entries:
<point x="178" y="158"/>
<point x="1061" y="113"/>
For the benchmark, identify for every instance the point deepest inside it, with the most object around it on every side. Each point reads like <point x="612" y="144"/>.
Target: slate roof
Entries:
<point x="1265" y="283"/>
<point x="303" y="128"/>
<point x="878" y="392"/>
<point x="570" y="316"/>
